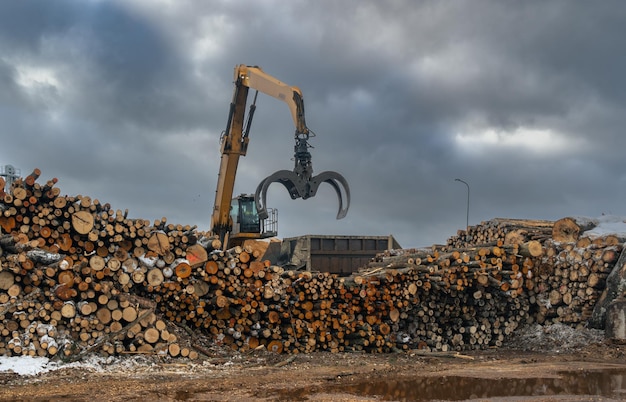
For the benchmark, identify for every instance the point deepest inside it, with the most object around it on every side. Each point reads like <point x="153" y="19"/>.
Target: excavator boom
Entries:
<point x="254" y="77"/>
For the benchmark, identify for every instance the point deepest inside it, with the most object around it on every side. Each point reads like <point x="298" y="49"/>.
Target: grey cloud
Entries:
<point x="142" y="95"/>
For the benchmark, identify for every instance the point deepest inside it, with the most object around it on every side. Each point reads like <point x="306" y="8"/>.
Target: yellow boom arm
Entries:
<point x="235" y="140"/>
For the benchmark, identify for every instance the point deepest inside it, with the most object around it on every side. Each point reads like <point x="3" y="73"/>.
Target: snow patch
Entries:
<point x="29" y="366"/>
<point x="25" y="365"/>
<point x="603" y="226"/>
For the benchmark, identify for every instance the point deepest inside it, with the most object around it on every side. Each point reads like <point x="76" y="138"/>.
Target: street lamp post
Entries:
<point x="468" y="198"/>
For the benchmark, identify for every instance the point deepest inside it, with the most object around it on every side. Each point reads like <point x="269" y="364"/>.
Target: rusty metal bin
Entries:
<point x="334" y="253"/>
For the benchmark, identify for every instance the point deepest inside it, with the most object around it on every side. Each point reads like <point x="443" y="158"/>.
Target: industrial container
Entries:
<point x="336" y="254"/>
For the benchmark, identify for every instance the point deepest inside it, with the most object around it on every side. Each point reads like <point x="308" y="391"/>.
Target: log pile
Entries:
<point x="463" y="299"/>
<point x="573" y="273"/>
<point x="69" y="267"/>
<point x="456" y="301"/>
<point x="78" y="277"/>
<point x="570" y="276"/>
<point x="506" y="230"/>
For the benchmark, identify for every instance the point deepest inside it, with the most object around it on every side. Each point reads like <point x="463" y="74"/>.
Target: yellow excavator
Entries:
<point x="235" y="220"/>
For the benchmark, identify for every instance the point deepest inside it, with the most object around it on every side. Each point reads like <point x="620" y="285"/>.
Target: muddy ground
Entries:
<point x="556" y="368"/>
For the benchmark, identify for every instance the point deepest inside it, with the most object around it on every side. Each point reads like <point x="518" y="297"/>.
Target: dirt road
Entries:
<point x="589" y="373"/>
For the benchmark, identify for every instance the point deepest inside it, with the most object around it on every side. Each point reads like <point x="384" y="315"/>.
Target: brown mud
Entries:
<point x="595" y="372"/>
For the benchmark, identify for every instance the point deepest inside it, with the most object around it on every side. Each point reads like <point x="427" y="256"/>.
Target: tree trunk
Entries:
<point x="568" y="230"/>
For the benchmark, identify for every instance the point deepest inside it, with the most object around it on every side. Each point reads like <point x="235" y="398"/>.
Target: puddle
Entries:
<point x="605" y="383"/>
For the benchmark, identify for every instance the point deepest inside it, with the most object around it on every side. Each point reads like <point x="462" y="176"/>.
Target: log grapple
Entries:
<point x="300" y="183"/>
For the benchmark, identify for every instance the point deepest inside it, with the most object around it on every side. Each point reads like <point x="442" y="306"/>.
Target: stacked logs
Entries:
<point x="75" y="320"/>
<point x="571" y="274"/>
<point x="502" y="229"/>
<point x="78" y="277"/>
<point x="467" y="298"/>
<point x="571" y="278"/>
<point x="458" y="301"/>
<point x="68" y="269"/>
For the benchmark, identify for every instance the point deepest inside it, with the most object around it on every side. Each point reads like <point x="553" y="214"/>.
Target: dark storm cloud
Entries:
<point x="116" y="66"/>
<point x="126" y="100"/>
<point x="107" y="89"/>
<point x="24" y="23"/>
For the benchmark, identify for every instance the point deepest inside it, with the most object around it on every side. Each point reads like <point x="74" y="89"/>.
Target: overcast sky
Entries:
<point x="125" y="101"/>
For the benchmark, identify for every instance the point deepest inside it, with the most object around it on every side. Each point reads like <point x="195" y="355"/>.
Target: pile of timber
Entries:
<point x="463" y="299"/>
<point x="68" y="269"/>
<point x="506" y="230"/>
<point x="572" y="277"/>
<point x="78" y="277"/>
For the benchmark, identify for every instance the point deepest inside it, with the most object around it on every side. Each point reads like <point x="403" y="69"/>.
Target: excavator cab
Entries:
<point x="246" y="221"/>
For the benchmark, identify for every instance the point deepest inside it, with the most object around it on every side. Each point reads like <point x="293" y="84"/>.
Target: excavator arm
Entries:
<point x="234" y="143"/>
<point x="254" y="77"/>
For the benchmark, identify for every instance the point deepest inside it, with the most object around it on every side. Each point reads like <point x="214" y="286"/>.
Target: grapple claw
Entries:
<point x="300" y="188"/>
<point x="287" y="178"/>
<point x="338" y="182"/>
<point x="301" y="183"/>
